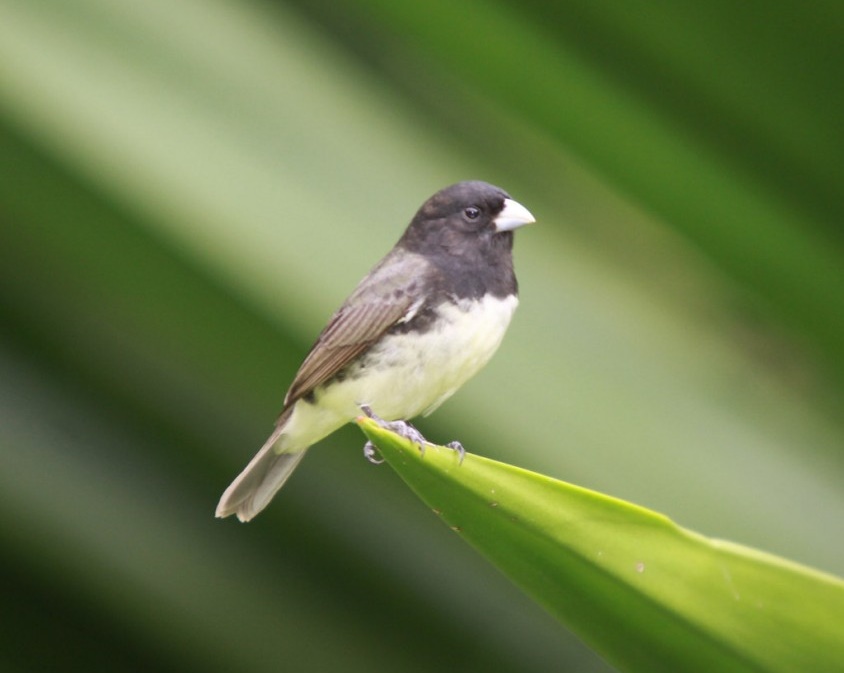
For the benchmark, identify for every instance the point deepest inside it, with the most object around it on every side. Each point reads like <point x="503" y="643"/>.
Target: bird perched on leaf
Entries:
<point x="425" y="320"/>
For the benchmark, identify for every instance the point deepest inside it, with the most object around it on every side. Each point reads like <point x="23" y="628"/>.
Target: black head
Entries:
<point x="465" y="219"/>
<point x="466" y="233"/>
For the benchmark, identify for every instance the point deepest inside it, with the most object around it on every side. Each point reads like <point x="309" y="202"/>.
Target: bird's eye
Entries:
<point x="472" y="212"/>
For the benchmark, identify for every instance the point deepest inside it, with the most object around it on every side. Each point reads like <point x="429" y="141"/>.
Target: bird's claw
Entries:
<point x="406" y="430"/>
<point x="401" y="428"/>
<point x="369" y="452"/>
<point x="458" y="447"/>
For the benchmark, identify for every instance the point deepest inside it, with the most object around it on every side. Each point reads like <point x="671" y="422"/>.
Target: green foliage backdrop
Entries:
<point x="188" y="189"/>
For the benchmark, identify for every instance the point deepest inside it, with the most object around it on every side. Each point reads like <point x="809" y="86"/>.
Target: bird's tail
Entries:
<point x="253" y="488"/>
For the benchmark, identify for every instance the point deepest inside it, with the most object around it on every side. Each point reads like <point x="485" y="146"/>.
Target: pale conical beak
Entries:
<point x="513" y="216"/>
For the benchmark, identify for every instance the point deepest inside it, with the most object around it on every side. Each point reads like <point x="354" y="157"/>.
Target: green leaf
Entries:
<point x="646" y="593"/>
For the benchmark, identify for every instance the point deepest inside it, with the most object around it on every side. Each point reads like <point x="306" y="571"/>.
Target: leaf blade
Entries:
<point x="644" y="592"/>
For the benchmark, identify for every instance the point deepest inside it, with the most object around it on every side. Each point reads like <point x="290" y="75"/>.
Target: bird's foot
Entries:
<point x="406" y="430"/>
<point x="370" y="451"/>
<point x="401" y="428"/>
<point x="458" y="447"/>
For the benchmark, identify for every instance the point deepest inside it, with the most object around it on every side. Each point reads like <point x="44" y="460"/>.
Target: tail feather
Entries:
<point x="253" y="488"/>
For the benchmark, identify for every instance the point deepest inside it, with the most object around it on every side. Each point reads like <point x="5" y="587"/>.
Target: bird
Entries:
<point x="421" y="323"/>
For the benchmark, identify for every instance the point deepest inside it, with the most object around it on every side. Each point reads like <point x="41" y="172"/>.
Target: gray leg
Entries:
<point x="401" y="428"/>
<point x="406" y="430"/>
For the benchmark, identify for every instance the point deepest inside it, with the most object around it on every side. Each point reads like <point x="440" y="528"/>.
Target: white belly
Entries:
<point x="407" y="374"/>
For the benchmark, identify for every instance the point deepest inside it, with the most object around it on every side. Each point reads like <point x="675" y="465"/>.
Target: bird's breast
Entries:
<point x="407" y="372"/>
<point x="412" y="371"/>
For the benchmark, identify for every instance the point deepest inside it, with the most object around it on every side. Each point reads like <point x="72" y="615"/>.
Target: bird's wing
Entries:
<point x="391" y="293"/>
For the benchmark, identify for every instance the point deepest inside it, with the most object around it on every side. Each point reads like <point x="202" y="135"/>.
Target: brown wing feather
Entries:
<point x="381" y="300"/>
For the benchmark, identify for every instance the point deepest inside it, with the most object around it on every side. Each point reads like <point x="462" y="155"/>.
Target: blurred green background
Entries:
<point x="188" y="190"/>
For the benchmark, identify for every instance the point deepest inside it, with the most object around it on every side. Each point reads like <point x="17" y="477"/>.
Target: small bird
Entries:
<point x="425" y="320"/>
